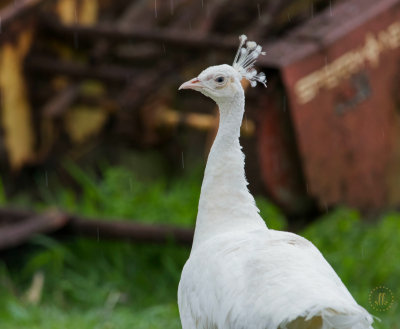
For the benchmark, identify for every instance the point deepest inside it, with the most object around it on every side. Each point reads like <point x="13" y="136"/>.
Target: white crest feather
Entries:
<point x="245" y="59"/>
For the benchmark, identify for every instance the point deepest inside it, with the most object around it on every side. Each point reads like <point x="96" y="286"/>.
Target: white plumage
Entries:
<point x="240" y="274"/>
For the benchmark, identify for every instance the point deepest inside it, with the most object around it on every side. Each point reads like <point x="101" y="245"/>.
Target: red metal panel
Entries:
<point x="279" y="160"/>
<point x="341" y="73"/>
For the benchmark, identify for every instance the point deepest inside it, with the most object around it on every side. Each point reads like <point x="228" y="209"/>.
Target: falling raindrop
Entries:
<point x="326" y="65"/>
<point x="155" y="8"/>
<point x="165" y="51"/>
<point x="76" y="43"/>
<point x="76" y="16"/>
<point x="202" y="3"/>
<point x="259" y="10"/>
<point x="172" y="6"/>
<point x="183" y="162"/>
<point x="288" y="17"/>
<point x="284" y="103"/>
<point x="330" y="7"/>
<point x="312" y="9"/>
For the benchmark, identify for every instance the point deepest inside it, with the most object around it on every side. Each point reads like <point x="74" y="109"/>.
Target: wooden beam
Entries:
<point x="123" y="33"/>
<point x="129" y="230"/>
<point x="14" y="234"/>
<point x="18" y="226"/>
<point x="62" y="101"/>
<point x="50" y="66"/>
<point x="167" y="118"/>
<point x="18" y="9"/>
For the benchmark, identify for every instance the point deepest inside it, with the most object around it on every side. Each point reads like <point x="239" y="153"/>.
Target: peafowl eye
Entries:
<point x="220" y="79"/>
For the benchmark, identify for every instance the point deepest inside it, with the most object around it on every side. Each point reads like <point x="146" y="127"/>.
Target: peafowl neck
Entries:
<point x="225" y="202"/>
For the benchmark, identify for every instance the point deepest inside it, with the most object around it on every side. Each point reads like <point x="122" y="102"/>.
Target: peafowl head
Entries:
<point x="222" y="82"/>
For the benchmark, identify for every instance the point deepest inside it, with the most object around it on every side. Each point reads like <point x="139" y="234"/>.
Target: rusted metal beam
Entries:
<point x="122" y="33"/>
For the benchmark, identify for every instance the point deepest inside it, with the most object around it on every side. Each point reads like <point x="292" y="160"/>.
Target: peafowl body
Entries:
<point x="240" y="274"/>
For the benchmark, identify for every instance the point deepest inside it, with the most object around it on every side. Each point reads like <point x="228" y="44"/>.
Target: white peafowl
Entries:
<point x="240" y="274"/>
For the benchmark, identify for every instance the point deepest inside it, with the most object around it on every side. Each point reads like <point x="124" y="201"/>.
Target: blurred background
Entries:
<point x="102" y="158"/>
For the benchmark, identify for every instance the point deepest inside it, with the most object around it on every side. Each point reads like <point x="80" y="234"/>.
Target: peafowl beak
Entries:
<point x="191" y="84"/>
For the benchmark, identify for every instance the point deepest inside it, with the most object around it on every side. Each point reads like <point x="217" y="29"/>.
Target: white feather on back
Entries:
<point x="263" y="280"/>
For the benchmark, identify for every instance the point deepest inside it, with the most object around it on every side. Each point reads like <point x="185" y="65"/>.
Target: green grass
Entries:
<point x="15" y="315"/>
<point x="120" y="194"/>
<point x="105" y="284"/>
